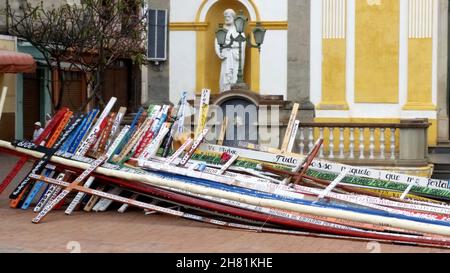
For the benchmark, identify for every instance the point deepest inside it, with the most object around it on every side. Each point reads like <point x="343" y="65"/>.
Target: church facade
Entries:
<point x="346" y="60"/>
<point x="193" y="59"/>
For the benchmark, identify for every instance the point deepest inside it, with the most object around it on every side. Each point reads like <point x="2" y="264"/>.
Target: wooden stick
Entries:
<point x="293" y="136"/>
<point x="79" y="196"/>
<point x="333" y="184"/>
<point x="228" y="164"/>
<point x="68" y="189"/>
<point x="52" y="191"/>
<point x="309" y="160"/>
<point x="180" y="150"/>
<point x="194" y="147"/>
<point x="124" y="207"/>
<point x="104" y="203"/>
<point x="223" y="130"/>
<point x="91" y="138"/>
<point x="170" y="211"/>
<point x="260" y="148"/>
<point x="157" y="180"/>
<point x="408" y="189"/>
<point x="93" y="200"/>
<point x="290" y="127"/>
<point x="203" y="112"/>
<point x="2" y="99"/>
<point x="308" y="156"/>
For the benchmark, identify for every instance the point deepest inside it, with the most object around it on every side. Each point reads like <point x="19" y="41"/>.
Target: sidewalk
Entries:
<point x="135" y="232"/>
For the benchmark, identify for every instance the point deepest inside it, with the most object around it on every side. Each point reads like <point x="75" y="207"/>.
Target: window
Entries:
<point x="157" y="35"/>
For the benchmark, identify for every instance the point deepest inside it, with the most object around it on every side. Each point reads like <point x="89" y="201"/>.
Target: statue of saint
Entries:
<point x="230" y="56"/>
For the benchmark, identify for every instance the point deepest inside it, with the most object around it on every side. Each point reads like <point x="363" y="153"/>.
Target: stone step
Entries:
<point x="441" y="149"/>
<point x="439" y="158"/>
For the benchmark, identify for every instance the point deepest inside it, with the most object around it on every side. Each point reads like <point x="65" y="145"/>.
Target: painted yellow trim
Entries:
<point x="187" y="26"/>
<point x="272" y="25"/>
<point x="255" y="73"/>
<point x="419" y="106"/>
<point x="201" y="62"/>
<point x="202" y="5"/>
<point x="420" y="70"/>
<point x="432" y="133"/>
<point x="334" y="75"/>
<point x="333" y="105"/>
<point x="377" y="51"/>
<point x="195" y="26"/>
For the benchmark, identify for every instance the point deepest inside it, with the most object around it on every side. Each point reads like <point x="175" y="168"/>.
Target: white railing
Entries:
<point x="358" y="141"/>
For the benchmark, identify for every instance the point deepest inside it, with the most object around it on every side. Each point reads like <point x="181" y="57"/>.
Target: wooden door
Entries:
<point x="116" y="85"/>
<point x="31" y="103"/>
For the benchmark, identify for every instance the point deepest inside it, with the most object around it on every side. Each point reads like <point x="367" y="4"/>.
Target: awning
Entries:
<point x="15" y="62"/>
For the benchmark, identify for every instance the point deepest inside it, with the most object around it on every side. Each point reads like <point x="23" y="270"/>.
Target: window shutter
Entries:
<point x="157" y="35"/>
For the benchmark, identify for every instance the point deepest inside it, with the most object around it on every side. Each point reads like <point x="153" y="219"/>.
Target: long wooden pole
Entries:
<point x="157" y="180"/>
<point x="423" y="240"/>
<point x="290" y="127"/>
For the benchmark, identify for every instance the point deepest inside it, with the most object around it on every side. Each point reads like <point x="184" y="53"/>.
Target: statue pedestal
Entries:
<point x="240" y="87"/>
<point x="250" y="96"/>
<point x="275" y="113"/>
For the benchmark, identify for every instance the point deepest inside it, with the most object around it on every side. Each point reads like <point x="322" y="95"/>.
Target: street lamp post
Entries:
<point x="240" y="23"/>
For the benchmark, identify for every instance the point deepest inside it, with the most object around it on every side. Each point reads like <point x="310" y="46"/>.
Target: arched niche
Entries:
<point x="244" y="107"/>
<point x="208" y="64"/>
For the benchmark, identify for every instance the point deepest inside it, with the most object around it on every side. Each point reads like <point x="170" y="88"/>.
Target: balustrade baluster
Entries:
<point x="361" y="143"/>
<point x="382" y="145"/>
<point x="372" y="144"/>
<point x="352" y="144"/>
<point x="392" y="143"/>
<point x="331" y="145"/>
<point x="301" y="142"/>
<point x="341" y="143"/>
<point x="321" y="155"/>
<point x="311" y="139"/>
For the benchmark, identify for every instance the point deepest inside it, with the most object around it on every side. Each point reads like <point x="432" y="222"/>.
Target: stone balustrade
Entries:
<point x="383" y="143"/>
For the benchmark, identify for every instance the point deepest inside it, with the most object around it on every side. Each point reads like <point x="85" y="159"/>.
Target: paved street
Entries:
<point x="135" y="232"/>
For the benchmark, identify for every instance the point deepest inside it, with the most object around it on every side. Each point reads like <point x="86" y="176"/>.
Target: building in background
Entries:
<point x="29" y="93"/>
<point x="354" y="60"/>
<point x="344" y="61"/>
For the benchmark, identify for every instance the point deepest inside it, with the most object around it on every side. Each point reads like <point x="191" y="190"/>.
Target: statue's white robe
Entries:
<point x="230" y="61"/>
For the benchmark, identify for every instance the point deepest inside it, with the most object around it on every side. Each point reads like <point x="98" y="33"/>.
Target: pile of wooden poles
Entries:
<point x="94" y="162"/>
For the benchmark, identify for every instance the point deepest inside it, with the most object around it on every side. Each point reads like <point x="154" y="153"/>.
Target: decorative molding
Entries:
<point x="334" y="19"/>
<point x="419" y="107"/>
<point x="194" y="26"/>
<point x="421" y="13"/>
<point x="335" y="105"/>
<point x="272" y="25"/>
<point x="188" y="26"/>
<point x="207" y="4"/>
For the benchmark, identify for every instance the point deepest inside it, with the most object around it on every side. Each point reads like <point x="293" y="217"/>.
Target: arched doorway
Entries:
<point x="208" y="64"/>
<point x="242" y="117"/>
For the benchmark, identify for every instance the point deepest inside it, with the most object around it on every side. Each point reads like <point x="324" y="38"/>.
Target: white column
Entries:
<point x="403" y="52"/>
<point x="434" y="87"/>
<point x="316" y="52"/>
<point x="350" y="62"/>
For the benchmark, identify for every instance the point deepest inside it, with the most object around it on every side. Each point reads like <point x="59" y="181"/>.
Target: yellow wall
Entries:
<point x="9" y="80"/>
<point x="334" y="75"/>
<point x="208" y="64"/>
<point x="376" y="53"/>
<point x="420" y="56"/>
